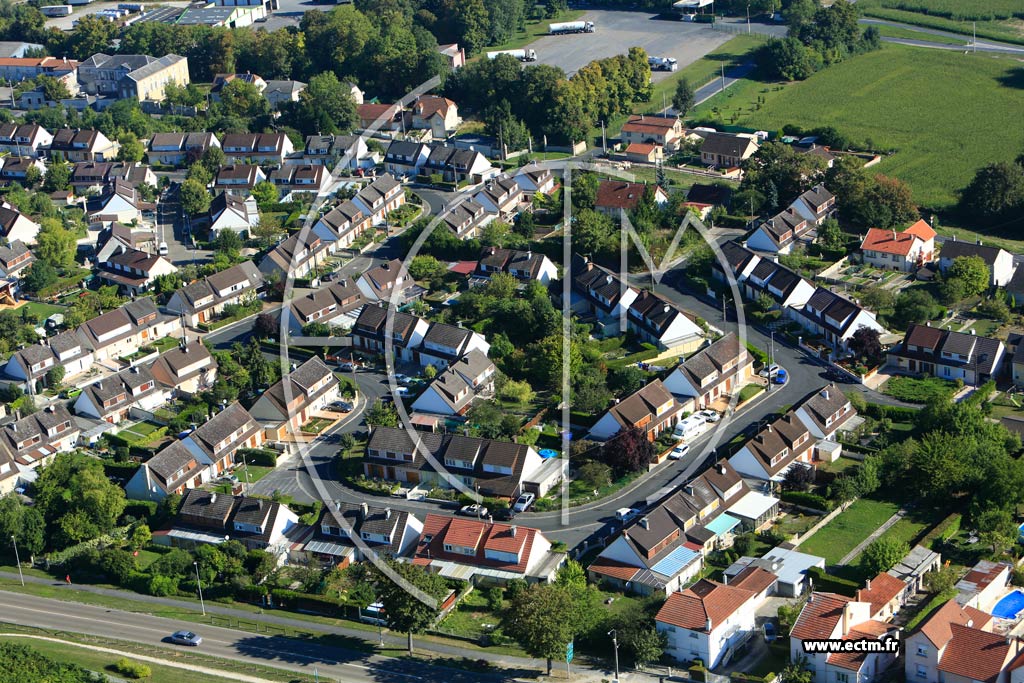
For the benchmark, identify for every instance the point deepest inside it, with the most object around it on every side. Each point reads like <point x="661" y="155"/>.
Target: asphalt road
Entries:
<point x="290" y="654"/>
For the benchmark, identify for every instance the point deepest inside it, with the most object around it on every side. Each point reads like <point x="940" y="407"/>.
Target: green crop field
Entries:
<point x="992" y="19"/>
<point x="944" y="113"/>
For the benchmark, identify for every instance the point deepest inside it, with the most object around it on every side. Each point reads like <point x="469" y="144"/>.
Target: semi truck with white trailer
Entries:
<point x="526" y="55"/>
<point x="56" y="10"/>
<point x="571" y="27"/>
<point x="663" y="63"/>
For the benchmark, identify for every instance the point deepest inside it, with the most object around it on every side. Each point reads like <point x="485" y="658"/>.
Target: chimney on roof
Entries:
<point x="364" y="510"/>
<point x="513" y="529"/>
<point x="725" y="578"/>
<point x="707" y="625"/>
<point x="213" y="498"/>
<point x="979" y="242"/>
<point x="645" y="522"/>
<point x="846" y="619"/>
<point x="387" y="513"/>
<point x="768" y="427"/>
<point x="894" y="235"/>
<point x="688" y="489"/>
<point x="867" y="586"/>
<point x="824" y="393"/>
<point x="665" y="308"/>
<point x="721" y="468"/>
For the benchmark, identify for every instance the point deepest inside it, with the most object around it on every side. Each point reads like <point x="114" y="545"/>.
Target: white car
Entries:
<point x="524" y="502"/>
<point x="770" y="371"/>
<point x="710" y="415"/>
<point x="473" y="511"/>
<point x="626" y="514"/>
<point x="679" y="451"/>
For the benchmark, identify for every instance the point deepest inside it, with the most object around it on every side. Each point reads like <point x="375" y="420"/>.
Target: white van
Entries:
<point x="690" y="427"/>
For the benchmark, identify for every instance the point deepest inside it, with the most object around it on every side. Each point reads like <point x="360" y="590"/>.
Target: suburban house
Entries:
<point x="664" y="131"/>
<point x="597" y="292"/>
<point x="886" y="594"/>
<point x="16" y="169"/>
<point x="370" y="333"/>
<point x="342" y="225"/>
<point x="132" y="76"/>
<point x="780" y="445"/>
<point x="387" y="283"/>
<point x="297" y="256"/>
<point x="439" y="115"/>
<point x="533" y="180"/>
<point x="983" y="585"/>
<point x="791" y="567"/>
<point x="904" y="251"/>
<point x="10" y="474"/>
<point x="256" y="148"/>
<point x="834" y="318"/>
<point x="501" y="196"/>
<point x="815" y="204"/>
<point x="444" y="344"/>
<point x="112" y="398"/>
<point x="708" y="621"/>
<point x="14" y="258"/>
<point x="838" y="617"/>
<point x="76" y="144"/>
<point x="221" y="80"/>
<point x="290" y="403"/>
<point x="117" y="237"/>
<point x="188" y="368"/>
<point x="455" y="56"/>
<point x="336" y="305"/>
<point x="66" y="349"/>
<point x="725" y="150"/>
<point x="179" y="149"/>
<point x="330" y="150"/>
<point x="202" y="456"/>
<point x="16" y="226"/>
<point x="652" y="409"/>
<point x="475" y="551"/>
<point x="643" y="152"/>
<point x="17" y="68"/>
<point x="119" y="203"/>
<point x="382" y="196"/>
<point x="780" y="233"/>
<point x="99" y="175"/>
<point x="783" y="286"/>
<point x="132" y="271"/>
<point x="497" y="469"/>
<point x="467" y="218"/>
<point x="453" y="391"/>
<point x="238" y="179"/>
<point x="715" y="372"/>
<point x="662" y="550"/>
<point x="279" y="93"/>
<point x="124" y="330"/>
<point x="999" y="261"/>
<point x="456" y="165"/>
<point x="523" y="265"/>
<point x="384" y="531"/>
<point x="927" y="350"/>
<point x="657" y="321"/>
<point x="291" y="178"/>
<point x="230" y="212"/>
<point x="207" y="517"/>
<point x="958" y="644"/>
<point x="404" y="158"/>
<point x="825" y="411"/>
<point x="35" y="439"/>
<point x="912" y="569"/>
<point x="23" y="140"/>
<point x="205" y="299"/>
<point x="614" y="196"/>
<point x="383" y="117"/>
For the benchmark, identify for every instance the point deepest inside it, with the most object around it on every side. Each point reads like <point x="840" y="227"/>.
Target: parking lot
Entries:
<point x="617" y="31"/>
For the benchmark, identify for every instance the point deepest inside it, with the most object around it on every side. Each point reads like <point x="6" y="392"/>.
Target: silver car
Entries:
<point x="186" y="638"/>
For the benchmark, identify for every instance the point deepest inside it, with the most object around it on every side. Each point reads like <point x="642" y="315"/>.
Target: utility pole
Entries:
<point x="975" y="41"/>
<point x="17" y="558"/>
<point x="615" y="641"/>
<point x="199" y="583"/>
<point x="604" y="141"/>
<point x="748" y="17"/>
<point x="723" y="77"/>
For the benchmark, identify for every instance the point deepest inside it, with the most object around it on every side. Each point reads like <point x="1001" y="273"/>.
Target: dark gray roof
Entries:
<point x="450" y="336"/>
<point x="204" y="504"/>
<point x="222" y="425"/>
<point x="170" y="460"/>
<point x="952" y="249"/>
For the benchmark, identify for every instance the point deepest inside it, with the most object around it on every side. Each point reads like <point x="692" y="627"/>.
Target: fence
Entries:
<point x="743" y="29"/>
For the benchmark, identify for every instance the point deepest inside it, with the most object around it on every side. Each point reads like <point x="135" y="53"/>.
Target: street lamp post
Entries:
<point x="17" y="559"/>
<point x="615" y="641"/>
<point x="199" y="583"/>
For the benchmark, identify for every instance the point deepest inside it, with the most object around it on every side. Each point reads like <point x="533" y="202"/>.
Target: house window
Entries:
<point x="922" y="651"/>
<point x="693" y="634"/>
<point x="842" y="677"/>
<point x="922" y="671"/>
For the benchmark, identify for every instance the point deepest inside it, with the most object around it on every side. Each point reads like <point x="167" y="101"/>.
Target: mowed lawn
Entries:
<point x="945" y="113"/>
<point x="852" y="526"/>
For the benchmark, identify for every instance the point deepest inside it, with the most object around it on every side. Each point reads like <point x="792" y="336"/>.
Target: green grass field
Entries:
<point x="918" y="390"/>
<point x="944" y="113"/>
<point x="852" y="526"/>
<point x="40" y="310"/>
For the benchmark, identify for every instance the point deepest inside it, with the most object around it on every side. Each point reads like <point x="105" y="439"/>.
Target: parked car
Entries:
<point x="341" y="407"/>
<point x="348" y="366"/>
<point x="710" y="415"/>
<point x="403" y="391"/>
<point x="769" y="371"/>
<point x="504" y="514"/>
<point x="834" y="375"/>
<point x="228" y="477"/>
<point x="679" y="451"/>
<point x="626" y="514"/>
<point x="769" y="632"/>
<point x="186" y="638"/>
<point x="162" y="249"/>
<point x="781" y="377"/>
<point x="473" y="511"/>
<point x="524" y="502"/>
<point x="402" y="380"/>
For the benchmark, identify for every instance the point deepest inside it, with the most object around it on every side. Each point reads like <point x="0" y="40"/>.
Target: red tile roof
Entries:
<point x="974" y="654"/>
<point x="618" y="194"/>
<point x="613" y="569"/>
<point x="754" y="579"/>
<point x="819" y="617"/>
<point x="439" y="530"/>
<point x="881" y="591"/>
<point x="868" y="630"/>
<point x="703" y="601"/>
<point x="888" y="241"/>
<point x="938" y="627"/>
<point x="654" y="125"/>
<point x="921" y="229"/>
<point x="641" y="148"/>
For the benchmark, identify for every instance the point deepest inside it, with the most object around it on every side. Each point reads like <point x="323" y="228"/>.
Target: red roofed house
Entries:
<point x="644" y="152"/>
<point x="475" y="550"/>
<point x="904" y="251"/>
<point x="439" y="115"/>
<point x="956" y="644"/>
<point x="708" y="621"/>
<point x="613" y="195"/>
<point x="665" y="131"/>
<point x="886" y="594"/>
<point x="837" y="617"/>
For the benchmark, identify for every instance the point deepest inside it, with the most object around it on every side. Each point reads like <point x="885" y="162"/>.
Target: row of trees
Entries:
<point x="515" y="102"/>
<point x="818" y="37"/>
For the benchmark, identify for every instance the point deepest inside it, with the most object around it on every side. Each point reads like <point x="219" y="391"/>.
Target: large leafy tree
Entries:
<point x="544" y="619"/>
<point x="325" y="106"/>
<point x="23" y="523"/>
<point x="55" y="244"/>
<point x="628" y="451"/>
<point x="973" y="272"/>
<point x="405" y="611"/>
<point x="195" y="198"/>
<point x="76" y="499"/>
<point x="995" y="192"/>
<point x="684" y="97"/>
<point x="883" y="554"/>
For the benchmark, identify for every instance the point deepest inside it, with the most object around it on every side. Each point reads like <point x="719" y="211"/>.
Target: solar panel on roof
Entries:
<point x="674" y="561"/>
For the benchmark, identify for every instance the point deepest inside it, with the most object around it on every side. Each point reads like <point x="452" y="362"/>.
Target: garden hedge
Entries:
<point x="808" y="500"/>
<point x="264" y="457"/>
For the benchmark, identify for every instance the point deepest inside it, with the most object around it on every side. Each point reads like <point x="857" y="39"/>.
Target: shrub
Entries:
<point x="807" y="500"/>
<point x="130" y="669"/>
<point x="162" y="586"/>
<point x="140" y="509"/>
<point x="494" y="599"/>
<point x="832" y="584"/>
